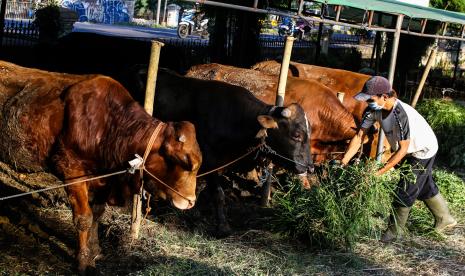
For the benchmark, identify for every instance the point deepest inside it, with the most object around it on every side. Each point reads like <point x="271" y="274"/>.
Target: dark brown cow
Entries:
<point x="82" y="126"/>
<point x="337" y="80"/>
<point x="332" y="125"/>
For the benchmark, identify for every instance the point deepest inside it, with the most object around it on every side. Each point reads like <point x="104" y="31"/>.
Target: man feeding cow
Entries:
<point x="414" y="142"/>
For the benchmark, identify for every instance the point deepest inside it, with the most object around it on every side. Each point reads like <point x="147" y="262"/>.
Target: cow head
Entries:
<point x="176" y="163"/>
<point x="287" y="131"/>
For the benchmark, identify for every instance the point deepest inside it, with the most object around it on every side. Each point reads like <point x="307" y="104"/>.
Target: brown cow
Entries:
<point x="332" y="125"/>
<point x="83" y="126"/>
<point x="337" y="80"/>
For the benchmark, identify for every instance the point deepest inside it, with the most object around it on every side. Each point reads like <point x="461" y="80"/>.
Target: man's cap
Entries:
<point x="374" y="86"/>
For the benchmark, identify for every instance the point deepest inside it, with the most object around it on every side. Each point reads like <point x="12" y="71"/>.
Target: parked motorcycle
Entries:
<point x="290" y="27"/>
<point x="193" y="23"/>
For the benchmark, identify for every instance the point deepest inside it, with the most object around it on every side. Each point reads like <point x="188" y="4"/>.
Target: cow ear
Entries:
<point x="261" y="133"/>
<point x="267" y="121"/>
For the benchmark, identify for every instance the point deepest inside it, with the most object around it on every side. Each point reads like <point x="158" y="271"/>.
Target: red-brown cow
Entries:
<point x="332" y="125"/>
<point x="337" y="80"/>
<point x="83" y="126"/>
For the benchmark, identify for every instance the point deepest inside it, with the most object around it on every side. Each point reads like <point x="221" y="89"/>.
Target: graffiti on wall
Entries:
<point x="101" y="11"/>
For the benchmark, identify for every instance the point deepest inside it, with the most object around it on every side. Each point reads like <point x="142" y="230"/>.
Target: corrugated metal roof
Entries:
<point x="396" y="7"/>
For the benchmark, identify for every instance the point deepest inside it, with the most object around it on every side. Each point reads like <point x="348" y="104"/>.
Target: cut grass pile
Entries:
<point x="447" y="119"/>
<point x="352" y="204"/>
<point x="349" y="203"/>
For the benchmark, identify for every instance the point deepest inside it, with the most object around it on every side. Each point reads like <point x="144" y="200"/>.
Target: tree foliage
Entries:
<point x="450" y="5"/>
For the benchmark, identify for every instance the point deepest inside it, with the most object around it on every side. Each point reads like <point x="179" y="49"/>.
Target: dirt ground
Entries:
<point x="38" y="238"/>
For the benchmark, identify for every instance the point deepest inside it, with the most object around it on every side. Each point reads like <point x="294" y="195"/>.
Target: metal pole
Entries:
<point x="158" y="13"/>
<point x="431" y="58"/>
<point x="280" y="94"/>
<point x="164" y="13"/>
<point x="319" y="20"/>
<point x="392" y="69"/>
<point x="148" y="105"/>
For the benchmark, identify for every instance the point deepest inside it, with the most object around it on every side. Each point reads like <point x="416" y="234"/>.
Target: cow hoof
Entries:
<point x="223" y="231"/>
<point x="88" y="271"/>
<point x="86" y="265"/>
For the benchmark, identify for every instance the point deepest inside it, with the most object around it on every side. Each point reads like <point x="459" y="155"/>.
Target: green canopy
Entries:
<point x="396" y="7"/>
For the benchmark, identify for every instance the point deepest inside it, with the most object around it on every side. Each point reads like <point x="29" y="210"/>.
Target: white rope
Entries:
<point x="63" y="185"/>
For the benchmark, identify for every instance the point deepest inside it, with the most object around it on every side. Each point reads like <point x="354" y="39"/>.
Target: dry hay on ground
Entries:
<point x="41" y="240"/>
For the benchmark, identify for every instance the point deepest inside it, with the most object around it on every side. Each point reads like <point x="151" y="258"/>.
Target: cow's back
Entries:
<point x="32" y="114"/>
<point x="329" y="119"/>
<point x="337" y="80"/>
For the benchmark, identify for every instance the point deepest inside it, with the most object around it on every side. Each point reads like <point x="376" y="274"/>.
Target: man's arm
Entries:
<point x="396" y="158"/>
<point x="354" y="145"/>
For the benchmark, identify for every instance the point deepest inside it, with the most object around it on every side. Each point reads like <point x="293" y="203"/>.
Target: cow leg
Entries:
<point x="94" y="246"/>
<point x="217" y="194"/>
<point x="82" y="218"/>
<point x="67" y="166"/>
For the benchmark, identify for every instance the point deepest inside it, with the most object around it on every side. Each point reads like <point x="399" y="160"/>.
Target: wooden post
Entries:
<point x="301" y="7"/>
<point x="338" y="12"/>
<point x="284" y="71"/>
<point x="432" y="57"/>
<point x="266" y="192"/>
<point x="148" y="105"/>
<point x="370" y="17"/>
<point x="423" y="25"/>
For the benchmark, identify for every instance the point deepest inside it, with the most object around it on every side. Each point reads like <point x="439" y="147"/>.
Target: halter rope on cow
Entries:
<point x="139" y="164"/>
<point x="131" y="170"/>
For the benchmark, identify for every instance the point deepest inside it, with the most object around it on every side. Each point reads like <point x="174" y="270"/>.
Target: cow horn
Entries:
<point x="286" y="113"/>
<point x="182" y="138"/>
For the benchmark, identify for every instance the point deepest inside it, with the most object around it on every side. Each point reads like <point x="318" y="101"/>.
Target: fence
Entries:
<point x="23" y="33"/>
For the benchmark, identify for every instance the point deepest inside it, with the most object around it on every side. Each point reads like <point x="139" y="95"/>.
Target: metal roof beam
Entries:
<point x="325" y="21"/>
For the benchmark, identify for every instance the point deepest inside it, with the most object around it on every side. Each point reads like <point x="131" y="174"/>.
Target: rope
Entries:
<point x="267" y="149"/>
<point x="167" y="186"/>
<point x="63" y="185"/>
<point x="232" y="162"/>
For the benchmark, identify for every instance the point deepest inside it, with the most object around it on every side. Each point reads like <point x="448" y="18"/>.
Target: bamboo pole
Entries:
<point x="280" y="94"/>
<point x="148" y="105"/>
<point x="431" y="58"/>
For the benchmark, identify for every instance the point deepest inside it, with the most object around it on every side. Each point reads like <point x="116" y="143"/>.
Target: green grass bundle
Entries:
<point x="448" y="122"/>
<point x="452" y="188"/>
<point x="349" y="204"/>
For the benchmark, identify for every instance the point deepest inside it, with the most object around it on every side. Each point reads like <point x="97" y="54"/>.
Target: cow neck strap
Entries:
<point x="146" y="154"/>
<point x="151" y="142"/>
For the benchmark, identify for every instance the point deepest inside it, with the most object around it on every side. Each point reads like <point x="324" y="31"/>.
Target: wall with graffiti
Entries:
<point x="102" y="11"/>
